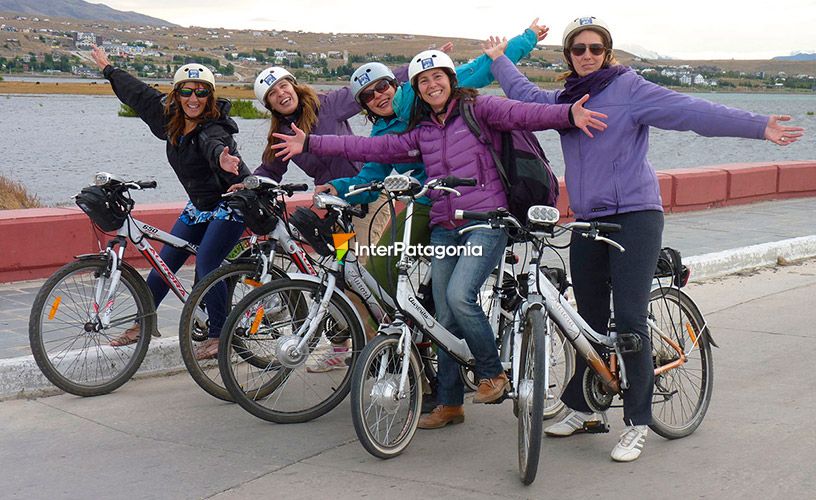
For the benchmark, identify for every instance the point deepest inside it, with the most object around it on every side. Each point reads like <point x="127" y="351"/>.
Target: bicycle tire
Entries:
<point x="241" y="277"/>
<point x="531" y="393"/>
<point x="266" y="319"/>
<point x="79" y="363"/>
<point x="374" y="388"/>
<point x="682" y="394"/>
<point x="561" y="364"/>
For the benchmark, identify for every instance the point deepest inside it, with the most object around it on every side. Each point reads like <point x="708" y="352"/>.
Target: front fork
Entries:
<point x="102" y="305"/>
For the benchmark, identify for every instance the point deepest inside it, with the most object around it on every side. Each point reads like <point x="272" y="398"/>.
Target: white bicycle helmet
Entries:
<point x="367" y="74"/>
<point x="428" y="59"/>
<point x="193" y="72"/>
<point x="267" y="79"/>
<point x="582" y="23"/>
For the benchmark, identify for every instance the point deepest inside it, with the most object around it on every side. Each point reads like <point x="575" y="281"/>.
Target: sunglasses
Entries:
<point x="379" y="86"/>
<point x="579" y="48"/>
<point x="200" y="93"/>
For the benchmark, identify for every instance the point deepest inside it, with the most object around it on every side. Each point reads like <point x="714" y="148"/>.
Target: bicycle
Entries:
<point x="679" y="335"/>
<point x="92" y="300"/>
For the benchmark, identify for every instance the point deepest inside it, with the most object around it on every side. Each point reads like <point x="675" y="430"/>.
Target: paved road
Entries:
<point x="164" y="438"/>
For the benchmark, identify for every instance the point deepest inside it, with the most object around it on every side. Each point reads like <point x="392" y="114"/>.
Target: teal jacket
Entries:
<point x="474" y="74"/>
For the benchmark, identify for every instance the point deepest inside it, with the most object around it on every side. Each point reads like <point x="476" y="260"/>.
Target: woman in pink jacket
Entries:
<point x="440" y="138"/>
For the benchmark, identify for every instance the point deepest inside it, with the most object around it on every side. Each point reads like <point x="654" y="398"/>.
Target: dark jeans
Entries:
<point x="214" y="239"/>
<point x="592" y="265"/>
<point x="456" y="282"/>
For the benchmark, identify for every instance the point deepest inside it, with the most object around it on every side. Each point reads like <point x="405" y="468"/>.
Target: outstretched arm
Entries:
<point x="781" y="134"/>
<point x="385" y="148"/>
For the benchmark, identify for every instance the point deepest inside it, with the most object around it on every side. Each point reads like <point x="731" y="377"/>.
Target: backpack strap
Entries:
<point x="466" y="111"/>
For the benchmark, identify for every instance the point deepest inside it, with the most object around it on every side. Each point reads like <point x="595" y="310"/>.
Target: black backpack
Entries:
<point x="527" y="177"/>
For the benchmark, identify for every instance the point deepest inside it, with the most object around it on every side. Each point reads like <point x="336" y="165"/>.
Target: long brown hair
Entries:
<point x="172" y="108"/>
<point x="422" y="111"/>
<point x="609" y="57"/>
<point x="308" y="107"/>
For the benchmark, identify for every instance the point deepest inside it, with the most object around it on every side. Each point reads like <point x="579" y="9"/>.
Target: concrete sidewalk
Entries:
<point x="713" y="242"/>
<point x="162" y="437"/>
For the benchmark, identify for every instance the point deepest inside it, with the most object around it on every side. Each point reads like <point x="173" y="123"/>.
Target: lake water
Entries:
<point x="54" y="144"/>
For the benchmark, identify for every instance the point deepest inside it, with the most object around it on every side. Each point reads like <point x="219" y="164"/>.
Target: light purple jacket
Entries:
<point x="451" y="149"/>
<point x="610" y="174"/>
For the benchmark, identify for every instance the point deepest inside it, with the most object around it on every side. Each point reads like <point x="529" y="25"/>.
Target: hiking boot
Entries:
<point x="441" y="416"/>
<point x="572" y="423"/>
<point x="631" y="443"/>
<point x="206" y="350"/>
<point x="491" y="389"/>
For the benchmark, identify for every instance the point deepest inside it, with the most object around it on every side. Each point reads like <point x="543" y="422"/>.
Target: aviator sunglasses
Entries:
<point x="379" y="86"/>
<point x="200" y="93"/>
<point x="595" y="48"/>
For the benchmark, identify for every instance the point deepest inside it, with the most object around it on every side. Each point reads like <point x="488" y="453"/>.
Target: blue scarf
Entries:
<point x="575" y="86"/>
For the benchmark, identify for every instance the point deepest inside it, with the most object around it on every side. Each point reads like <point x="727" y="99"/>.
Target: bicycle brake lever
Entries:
<point x="610" y="242"/>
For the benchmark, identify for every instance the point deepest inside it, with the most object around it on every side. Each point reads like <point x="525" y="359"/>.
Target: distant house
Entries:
<point x="699" y="80"/>
<point x="685" y="79"/>
<point x="84" y="40"/>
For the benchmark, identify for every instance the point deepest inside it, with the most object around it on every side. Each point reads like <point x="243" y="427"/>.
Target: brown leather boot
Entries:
<point x="491" y="389"/>
<point x="441" y="416"/>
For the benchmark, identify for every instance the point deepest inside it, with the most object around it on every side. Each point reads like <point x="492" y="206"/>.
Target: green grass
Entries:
<point x="810" y="113"/>
<point x="127" y="111"/>
<point x="246" y="109"/>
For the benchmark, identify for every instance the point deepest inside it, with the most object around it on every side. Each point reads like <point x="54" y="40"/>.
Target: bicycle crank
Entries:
<point x="597" y="395"/>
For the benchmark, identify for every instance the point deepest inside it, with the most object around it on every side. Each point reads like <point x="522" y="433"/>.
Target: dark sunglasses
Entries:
<point x="379" y="86"/>
<point x="579" y="48"/>
<point x="201" y="93"/>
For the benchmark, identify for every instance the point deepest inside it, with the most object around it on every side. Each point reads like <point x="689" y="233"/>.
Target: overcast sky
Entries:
<point x="687" y="29"/>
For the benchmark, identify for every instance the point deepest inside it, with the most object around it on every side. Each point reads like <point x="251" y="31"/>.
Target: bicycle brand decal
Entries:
<point x="341" y="246"/>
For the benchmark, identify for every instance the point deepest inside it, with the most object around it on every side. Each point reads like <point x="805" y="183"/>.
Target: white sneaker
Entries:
<point x="570" y="424"/>
<point x="333" y="359"/>
<point x="631" y="443"/>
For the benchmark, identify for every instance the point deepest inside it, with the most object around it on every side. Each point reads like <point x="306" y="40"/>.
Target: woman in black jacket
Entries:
<point x="198" y="131"/>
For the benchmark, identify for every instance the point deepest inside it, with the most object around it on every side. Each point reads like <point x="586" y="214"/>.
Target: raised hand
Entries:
<point x="290" y="145"/>
<point x="228" y="162"/>
<point x="494" y="47"/>
<point x="781" y="134"/>
<point x="539" y="29"/>
<point x="99" y="57"/>
<point x="447" y="48"/>
<point x="585" y="118"/>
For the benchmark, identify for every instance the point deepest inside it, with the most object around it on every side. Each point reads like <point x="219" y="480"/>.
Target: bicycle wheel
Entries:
<point x="69" y="343"/>
<point x="260" y="365"/>
<point x="531" y="393"/>
<point x="384" y="422"/>
<point x="560" y="364"/>
<point x="681" y="394"/>
<point x="240" y="278"/>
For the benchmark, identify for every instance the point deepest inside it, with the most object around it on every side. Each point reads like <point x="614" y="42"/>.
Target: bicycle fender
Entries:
<point x="316" y="279"/>
<point x="707" y="330"/>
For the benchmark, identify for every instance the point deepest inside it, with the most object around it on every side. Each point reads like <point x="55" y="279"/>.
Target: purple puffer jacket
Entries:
<point x="610" y="174"/>
<point x="451" y="149"/>
<point x="336" y="107"/>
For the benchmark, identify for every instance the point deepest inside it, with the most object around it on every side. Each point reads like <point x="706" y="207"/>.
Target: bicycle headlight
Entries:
<point x="102" y="178"/>
<point x="252" y="182"/>
<point x="541" y="214"/>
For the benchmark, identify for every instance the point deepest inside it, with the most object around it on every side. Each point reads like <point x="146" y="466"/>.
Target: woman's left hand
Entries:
<point x="585" y="118"/>
<point x="539" y="29"/>
<point x="228" y="162"/>
<point x="447" y="48"/>
<point x="290" y="145"/>
<point x="781" y="134"/>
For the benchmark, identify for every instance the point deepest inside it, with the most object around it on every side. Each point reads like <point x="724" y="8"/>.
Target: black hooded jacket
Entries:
<point x="195" y="158"/>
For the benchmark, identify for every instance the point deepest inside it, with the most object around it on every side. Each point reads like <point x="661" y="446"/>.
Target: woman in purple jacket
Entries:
<point x="441" y="139"/>
<point x="609" y="179"/>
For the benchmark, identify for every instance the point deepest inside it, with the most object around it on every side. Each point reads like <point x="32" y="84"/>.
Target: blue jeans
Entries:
<point x="456" y="281"/>
<point x="214" y="239"/>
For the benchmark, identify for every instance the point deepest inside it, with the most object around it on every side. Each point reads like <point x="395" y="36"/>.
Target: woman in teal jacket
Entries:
<point x="389" y="108"/>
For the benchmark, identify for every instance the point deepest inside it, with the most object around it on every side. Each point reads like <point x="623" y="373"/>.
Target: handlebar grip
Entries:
<point x="608" y="227"/>
<point x="296" y="187"/>
<point x="453" y="182"/>
<point x="468" y="215"/>
<point x="147" y="184"/>
<point x="364" y="185"/>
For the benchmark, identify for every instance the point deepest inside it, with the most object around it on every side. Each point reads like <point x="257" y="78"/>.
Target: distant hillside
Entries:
<point x="78" y="9"/>
<point x="797" y="57"/>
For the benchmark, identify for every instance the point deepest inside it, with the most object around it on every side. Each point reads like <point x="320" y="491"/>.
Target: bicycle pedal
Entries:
<point x="595" y="427"/>
<point x="628" y="342"/>
<point x="500" y="400"/>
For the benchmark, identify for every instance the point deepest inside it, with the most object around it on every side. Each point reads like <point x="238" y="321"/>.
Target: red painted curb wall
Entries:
<point x="36" y="242"/>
